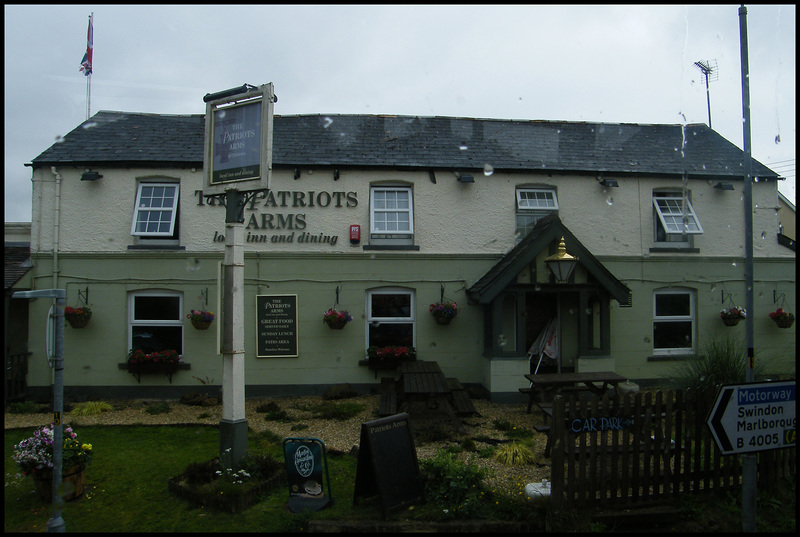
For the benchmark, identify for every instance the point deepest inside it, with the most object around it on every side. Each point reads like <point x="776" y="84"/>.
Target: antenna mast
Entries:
<point x="709" y="70"/>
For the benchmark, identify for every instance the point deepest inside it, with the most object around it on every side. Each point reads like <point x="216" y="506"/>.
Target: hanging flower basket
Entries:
<point x="731" y="316"/>
<point x="77" y="317"/>
<point x="335" y="319"/>
<point x="201" y="320"/>
<point x="444" y="312"/>
<point x="783" y="319"/>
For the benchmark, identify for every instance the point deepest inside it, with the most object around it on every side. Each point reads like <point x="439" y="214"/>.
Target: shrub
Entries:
<point x="722" y="360"/>
<point x="23" y="407"/>
<point x="278" y="415"/>
<point x="514" y="454"/>
<point x="453" y="485"/>
<point x="91" y="408"/>
<point x="158" y="408"/>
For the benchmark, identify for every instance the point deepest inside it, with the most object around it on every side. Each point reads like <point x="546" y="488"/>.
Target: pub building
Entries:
<point x="383" y="217"/>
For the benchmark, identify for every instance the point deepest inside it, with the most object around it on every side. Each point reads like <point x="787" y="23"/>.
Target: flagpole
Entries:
<point x="88" y="96"/>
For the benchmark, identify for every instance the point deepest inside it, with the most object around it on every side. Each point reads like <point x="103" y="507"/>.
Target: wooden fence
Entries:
<point x="644" y="449"/>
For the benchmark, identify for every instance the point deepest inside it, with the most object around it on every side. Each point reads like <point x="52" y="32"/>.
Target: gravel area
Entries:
<point x="340" y="435"/>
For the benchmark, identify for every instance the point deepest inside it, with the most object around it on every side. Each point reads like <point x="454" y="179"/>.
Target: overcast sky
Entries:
<point x="613" y="64"/>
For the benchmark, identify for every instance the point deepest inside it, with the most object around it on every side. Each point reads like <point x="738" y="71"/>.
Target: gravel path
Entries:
<point x="337" y="435"/>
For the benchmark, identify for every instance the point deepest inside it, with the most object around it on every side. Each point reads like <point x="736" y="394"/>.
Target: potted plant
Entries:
<point x="444" y="312"/>
<point x="77" y="317"/>
<point x="201" y="320"/>
<point x="390" y="356"/>
<point x="34" y="456"/>
<point x="336" y="319"/>
<point x="783" y="319"/>
<point x="166" y="361"/>
<point x="731" y="316"/>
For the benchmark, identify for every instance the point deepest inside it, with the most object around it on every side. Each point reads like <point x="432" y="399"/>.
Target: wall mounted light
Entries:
<point x="609" y="183"/>
<point x="723" y="186"/>
<point x="466" y="179"/>
<point x="335" y="175"/>
<point x="561" y="264"/>
<point x="90" y="176"/>
<point x="296" y="174"/>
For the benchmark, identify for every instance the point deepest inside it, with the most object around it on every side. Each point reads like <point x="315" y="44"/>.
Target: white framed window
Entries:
<point x="533" y="204"/>
<point x="674" y="220"/>
<point x="391" y="210"/>
<point x="674" y="323"/>
<point x="155" y="210"/>
<point x="155" y="322"/>
<point x="391" y="318"/>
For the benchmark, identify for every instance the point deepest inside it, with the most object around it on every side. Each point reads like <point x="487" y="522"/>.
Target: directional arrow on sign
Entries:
<point x="717" y="429"/>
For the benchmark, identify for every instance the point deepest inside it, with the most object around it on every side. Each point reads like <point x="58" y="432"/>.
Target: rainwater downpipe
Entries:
<point x="56" y="225"/>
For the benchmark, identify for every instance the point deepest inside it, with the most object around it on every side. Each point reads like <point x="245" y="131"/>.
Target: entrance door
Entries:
<point x="540" y="308"/>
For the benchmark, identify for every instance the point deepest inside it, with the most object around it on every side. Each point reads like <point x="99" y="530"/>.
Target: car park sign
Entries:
<point x="747" y="418"/>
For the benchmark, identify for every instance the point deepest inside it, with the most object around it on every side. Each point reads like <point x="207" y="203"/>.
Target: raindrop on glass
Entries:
<point x="488" y="170"/>
<point x="328" y="122"/>
<point x="221" y="114"/>
<point x="777" y="139"/>
<point x="463" y="147"/>
<point x="59" y="139"/>
<point x="734" y="263"/>
<point x="763" y="235"/>
<point x="610" y="200"/>
<point x="89" y="125"/>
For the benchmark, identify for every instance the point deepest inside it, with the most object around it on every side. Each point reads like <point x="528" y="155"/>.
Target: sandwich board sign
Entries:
<point x="754" y="417"/>
<point x="306" y="460"/>
<point x="387" y="464"/>
<point x="237" y="154"/>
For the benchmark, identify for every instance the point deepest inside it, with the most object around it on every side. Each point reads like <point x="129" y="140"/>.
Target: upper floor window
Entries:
<point x="674" y="218"/>
<point x="155" y="322"/>
<point x="673" y="321"/>
<point x="156" y="209"/>
<point x="533" y="204"/>
<point x="391" y="211"/>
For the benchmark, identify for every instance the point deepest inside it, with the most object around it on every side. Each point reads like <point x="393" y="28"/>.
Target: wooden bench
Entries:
<point x="388" y="404"/>
<point x="461" y="400"/>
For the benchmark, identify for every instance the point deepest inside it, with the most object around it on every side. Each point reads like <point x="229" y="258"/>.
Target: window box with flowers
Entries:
<point x="731" y="316"/>
<point x="201" y="320"/>
<point x="783" y="319"/>
<point x="77" y="317"/>
<point x="335" y="319"/>
<point x="389" y="357"/>
<point x="34" y="456"/>
<point x="444" y="312"/>
<point x="165" y="362"/>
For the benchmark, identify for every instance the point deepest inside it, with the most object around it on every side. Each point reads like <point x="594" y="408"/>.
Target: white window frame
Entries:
<point x="177" y="322"/>
<point x="532" y="209"/>
<point x="690" y="317"/>
<point x="411" y="319"/>
<point x="138" y="209"/>
<point x="668" y="209"/>
<point x="374" y="209"/>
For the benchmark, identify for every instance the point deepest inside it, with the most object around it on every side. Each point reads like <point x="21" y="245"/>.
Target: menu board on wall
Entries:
<point x="276" y="329"/>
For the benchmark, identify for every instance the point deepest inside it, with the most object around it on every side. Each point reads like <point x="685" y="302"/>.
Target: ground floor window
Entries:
<point x="154" y="321"/>
<point x="390" y="317"/>
<point x="673" y="321"/>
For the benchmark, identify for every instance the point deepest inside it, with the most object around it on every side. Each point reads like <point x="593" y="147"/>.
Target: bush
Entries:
<point x="158" y="408"/>
<point x="514" y="454"/>
<point x="722" y="360"/>
<point x="23" y="407"/>
<point x="91" y="408"/>
<point x="454" y="486"/>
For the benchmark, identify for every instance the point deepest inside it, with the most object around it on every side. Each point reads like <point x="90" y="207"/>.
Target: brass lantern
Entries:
<point x="561" y="263"/>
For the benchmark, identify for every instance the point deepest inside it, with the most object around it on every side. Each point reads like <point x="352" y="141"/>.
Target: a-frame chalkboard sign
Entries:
<point x="387" y="464"/>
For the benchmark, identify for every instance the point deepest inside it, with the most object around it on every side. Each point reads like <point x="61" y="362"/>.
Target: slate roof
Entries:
<point x="115" y="139"/>
<point x="546" y="230"/>
<point x="17" y="261"/>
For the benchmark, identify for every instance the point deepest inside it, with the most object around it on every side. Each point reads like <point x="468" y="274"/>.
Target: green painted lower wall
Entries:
<point x="326" y="357"/>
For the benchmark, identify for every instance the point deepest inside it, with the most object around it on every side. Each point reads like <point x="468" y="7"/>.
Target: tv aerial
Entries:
<point x="709" y="70"/>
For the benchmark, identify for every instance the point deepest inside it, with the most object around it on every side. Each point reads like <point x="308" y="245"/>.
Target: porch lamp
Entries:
<point x="561" y="263"/>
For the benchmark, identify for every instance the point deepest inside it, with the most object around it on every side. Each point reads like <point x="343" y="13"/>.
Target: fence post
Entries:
<point x="558" y="433"/>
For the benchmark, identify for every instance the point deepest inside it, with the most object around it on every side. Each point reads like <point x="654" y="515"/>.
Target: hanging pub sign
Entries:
<point x="238" y="139"/>
<point x="276" y="328"/>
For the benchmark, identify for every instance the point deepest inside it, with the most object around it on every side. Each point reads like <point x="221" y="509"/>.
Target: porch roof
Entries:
<point x="546" y="231"/>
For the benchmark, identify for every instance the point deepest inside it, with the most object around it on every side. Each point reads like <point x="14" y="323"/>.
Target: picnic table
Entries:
<point x="422" y="383"/>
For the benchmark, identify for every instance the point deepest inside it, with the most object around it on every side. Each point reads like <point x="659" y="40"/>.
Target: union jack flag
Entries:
<point x="86" y="62"/>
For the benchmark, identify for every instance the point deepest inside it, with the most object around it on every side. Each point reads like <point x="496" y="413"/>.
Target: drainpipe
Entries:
<point x="56" y="225"/>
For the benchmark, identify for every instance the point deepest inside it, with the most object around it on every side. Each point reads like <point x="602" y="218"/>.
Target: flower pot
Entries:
<point x="731" y="321"/>
<point x="71" y="483"/>
<point x="201" y="325"/>
<point x="336" y="324"/>
<point x="78" y="322"/>
<point x="443" y="320"/>
<point x="785" y="322"/>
